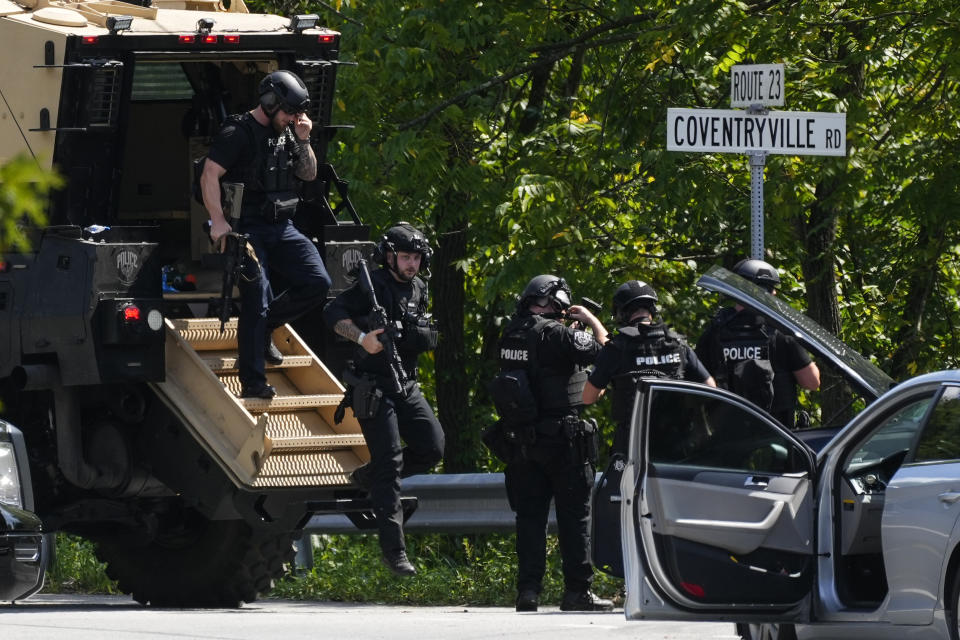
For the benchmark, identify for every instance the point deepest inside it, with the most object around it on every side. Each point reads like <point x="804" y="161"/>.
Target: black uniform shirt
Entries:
<point x="561" y="347"/>
<point x="561" y="351"/>
<point x="236" y="147"/>
<point x="355" y="305"/>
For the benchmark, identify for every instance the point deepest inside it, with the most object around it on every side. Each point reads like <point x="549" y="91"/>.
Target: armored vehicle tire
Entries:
<point x="203" y="563"/>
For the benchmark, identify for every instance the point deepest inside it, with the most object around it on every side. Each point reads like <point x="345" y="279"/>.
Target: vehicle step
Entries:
<point x="290" y="440"/>
<point x="285" y="387"/>
<point x="299" y="464"/>
<point x="302" y="424"/>
<point x="331" y="480"/>
<point x="318" y="443"/>
<point x="203" y="334"/>
<point x="291" y="403"/>
<point x="227" y="361"/>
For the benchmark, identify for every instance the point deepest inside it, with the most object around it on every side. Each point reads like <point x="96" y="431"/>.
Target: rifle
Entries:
<point x="593" y="305"/>
<point x="234" y="250"/>
<point x="378" y="320"/>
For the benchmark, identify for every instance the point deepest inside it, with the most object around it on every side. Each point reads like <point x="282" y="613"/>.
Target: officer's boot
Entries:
<point x="584" y="601"/>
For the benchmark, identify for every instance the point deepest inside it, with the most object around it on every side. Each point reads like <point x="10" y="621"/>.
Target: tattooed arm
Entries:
<point x="305" y="167"/>
<point x="306" y="164"/>
<point x="352" y="332"/>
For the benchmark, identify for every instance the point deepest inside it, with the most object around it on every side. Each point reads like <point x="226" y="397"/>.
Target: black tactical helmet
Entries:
<point x="283" y="90"/>
<point x="630" y="295"/>
<point x="543" y="290"/>
<point x="759" y="272"/>
<point x="404" y="237"/>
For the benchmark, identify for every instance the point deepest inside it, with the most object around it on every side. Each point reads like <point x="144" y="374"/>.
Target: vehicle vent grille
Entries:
<point x="319" y="77"/>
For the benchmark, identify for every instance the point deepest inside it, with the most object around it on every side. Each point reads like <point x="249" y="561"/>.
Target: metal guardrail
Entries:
<point x="448" y="503"/>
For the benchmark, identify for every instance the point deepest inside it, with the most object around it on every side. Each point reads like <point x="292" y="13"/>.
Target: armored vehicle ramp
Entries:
<point x="287" y="441"/>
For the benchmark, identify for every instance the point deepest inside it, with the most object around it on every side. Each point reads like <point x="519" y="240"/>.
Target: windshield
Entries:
<point x="863" y="374"/>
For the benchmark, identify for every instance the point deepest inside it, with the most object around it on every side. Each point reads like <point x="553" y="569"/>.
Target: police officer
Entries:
<point x="641" y="347"/>
<point x="267" y="149"/>
<point x="753" y="360"/>
<point x="388" y="412"/>
<point x="558" y="452"/>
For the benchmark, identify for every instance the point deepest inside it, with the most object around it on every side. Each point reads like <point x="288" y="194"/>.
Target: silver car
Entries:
<point x="728" y="515"/>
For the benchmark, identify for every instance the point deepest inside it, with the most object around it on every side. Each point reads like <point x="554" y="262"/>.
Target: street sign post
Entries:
<point x="757" y="131"/>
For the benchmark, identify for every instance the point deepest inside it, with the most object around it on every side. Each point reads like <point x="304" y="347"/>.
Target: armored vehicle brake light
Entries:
<point x="89" y="39"/>
<point x="131" y="313"/>
<point x="326" y="38"/>
<point x="210" y="39"/>
<point x="187" y="39"/>
<point x="231" y="39"/>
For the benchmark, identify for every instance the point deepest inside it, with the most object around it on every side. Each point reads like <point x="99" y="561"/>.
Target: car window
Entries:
<point x="896" y="432"/>
<point x="693" y="428"/>
<point x="940" y="439"/>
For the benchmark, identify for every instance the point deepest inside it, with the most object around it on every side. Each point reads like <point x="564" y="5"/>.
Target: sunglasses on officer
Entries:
<point x="295" y="110"/>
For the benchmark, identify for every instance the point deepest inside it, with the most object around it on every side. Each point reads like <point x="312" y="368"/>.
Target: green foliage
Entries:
<point x="23" y="190"/>
<point x="477" y="570"/>
<point x="532" y="134"/>
<point x="75" y="568"/>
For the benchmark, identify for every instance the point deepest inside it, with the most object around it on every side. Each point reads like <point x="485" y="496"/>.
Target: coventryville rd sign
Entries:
<point x="776" y="132"/>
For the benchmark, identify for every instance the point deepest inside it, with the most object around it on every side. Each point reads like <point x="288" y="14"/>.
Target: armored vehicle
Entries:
<point x="112" y="361"/>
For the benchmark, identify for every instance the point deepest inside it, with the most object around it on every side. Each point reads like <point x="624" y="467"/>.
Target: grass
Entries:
<point x="75" y="569"/>
<point x="474" y="570"/>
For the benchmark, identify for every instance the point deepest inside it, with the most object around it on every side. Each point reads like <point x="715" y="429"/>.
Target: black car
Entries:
<point x="22" y="549"/>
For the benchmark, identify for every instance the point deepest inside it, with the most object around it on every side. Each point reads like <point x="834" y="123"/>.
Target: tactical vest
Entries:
<point x="418" y="330"/>
<point x="743" y="358"/>
<point x="554" y="392"/>
<point x="270" y="174"/>
<point x="647" y="351"/>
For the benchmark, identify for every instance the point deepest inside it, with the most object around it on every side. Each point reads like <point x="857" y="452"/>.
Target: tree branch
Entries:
<point x="505" y="77"/>
<point x="340" y="15"/>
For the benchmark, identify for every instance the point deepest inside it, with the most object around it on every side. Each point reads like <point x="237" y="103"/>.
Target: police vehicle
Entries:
<point x="112" y="362"/>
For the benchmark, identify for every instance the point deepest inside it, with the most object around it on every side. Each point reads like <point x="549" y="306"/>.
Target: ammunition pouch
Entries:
<point x="280" y="207"/>
<point x="420" y="335"/>
<point x="513" y="397"/>
<point x="365" y="396"/>
<point x="508" y="444"/>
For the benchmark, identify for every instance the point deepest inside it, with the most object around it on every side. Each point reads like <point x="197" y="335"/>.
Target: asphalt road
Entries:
<point x="118" y="618"/>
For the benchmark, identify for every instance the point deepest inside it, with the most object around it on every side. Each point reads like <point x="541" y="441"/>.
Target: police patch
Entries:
<point x="582" y="340"/>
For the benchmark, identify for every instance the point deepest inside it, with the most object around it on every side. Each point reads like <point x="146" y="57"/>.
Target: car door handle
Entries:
<point x="950" y="497"/>
<point x="757" y="481"/>
<point x="763" y="525"/>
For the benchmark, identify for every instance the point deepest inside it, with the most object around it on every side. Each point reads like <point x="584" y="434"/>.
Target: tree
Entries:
<point x="23" y="190"/>
<point x="529" y="138"/>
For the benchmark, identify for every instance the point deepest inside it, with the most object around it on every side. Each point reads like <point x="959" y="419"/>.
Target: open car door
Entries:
<point x="718" y="515"/>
